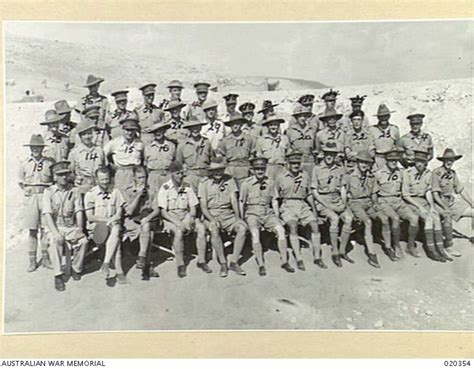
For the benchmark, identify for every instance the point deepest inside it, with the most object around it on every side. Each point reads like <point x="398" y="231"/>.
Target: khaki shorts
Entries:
<point x="123" y="178"/>
<point x="335" y="205"/>
<point x="170" y="227"/>
<point x="32" y="217"/>
<point x="297" y="210"/>
<point x="397" y="205"/>
<point x="456" y="206"/>
<point x="268" y="221"/>
<point x="363" y="209"/>
<point x="156" y="179"/>
<point x="227" y="221"/>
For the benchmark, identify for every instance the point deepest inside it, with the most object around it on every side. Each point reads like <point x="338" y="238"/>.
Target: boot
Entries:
<point x="75" y="275"/>
<point x="224" y="271"/>
<point x="45" y="260"/>
<point x="346" y="258"/>
<point x="442" y="252"/>
<point x="399" y="252"/>
<point x="236" y="268"/>
<point x="33" y="263"/>
<point x="300" y="265"/>
<point x="391" y="254"/>
<point x="141" y="261"/>
<point x="204" y="267"/>
<point x="181" y="271"/>
<point x="59" y="283"/>
<point x="373" y="261"/>
<point x="262" y="271"/>
<point x="433" y="254"/>
<point x="451" y="251"/>
<point x="121" y="279"/>
<point x="411" y="250"/>
<point x="320" y="263"/>
<point x="288" y="268"/>
<point x="336" y="259"/>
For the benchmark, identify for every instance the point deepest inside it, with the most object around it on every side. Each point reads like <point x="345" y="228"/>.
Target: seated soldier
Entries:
<point x="445" y="187"/>
<point x="104" y="208"/>
<point x="178" y="205"/>
<point x="257" y="205"/>
<point x="360" y="184"/>
<point x="292" y="187"/>
<point x="218" y="196"/>
<point x="141" y="210"/>
<point x="63" y="212"/>
<point x="416" y="191"/>
<point x="330" y="196"/>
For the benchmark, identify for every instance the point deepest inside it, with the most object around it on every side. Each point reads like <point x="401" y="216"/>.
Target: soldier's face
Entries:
<point x="66" y="117"/>
<point x="357" y="122"/>
<point x="330" y="103"/>
<point x="249" y="116"/>
<point x="149" y="98"/>
<point x="86" y="137"/>
<point x="420" y="165"/>
<point x="302" y="119"/>
<point x="36" y="151"/>
<point x="331" y="123"/>
<point x="94" y="89"/>
<point x="384" y="118"/>
<point x="217" y="174"/>
<point x="177" y="177"/>
<point x="356" y="106"/>
<point x="62" y="178"/>
<point x="416" y="127"/>
<point x="231" y="107"/>
<point x="392" y="164"/>
<point x="122" y="104"/>
<point x="202" y="95"/>
<point x="236" y="127"/>
<point x="211" y="113"/>
<point x="195" y="130"/>
<point x="448" y="163"/>
<point x="363" y="166"/>
<point x="175" y="92"/>
<point x="294" y="167"/>
<point x="329" y="157"/>
<point x="53" y="127"/>
<point x="273" y="128"/>
<point x="160" y="133"/>
<point x="175" y="113"/>
<point x="140" y="179"/>
<point x="129" y="134"/>
<point x="103" y="179"/>
<point x="259" y="172"/>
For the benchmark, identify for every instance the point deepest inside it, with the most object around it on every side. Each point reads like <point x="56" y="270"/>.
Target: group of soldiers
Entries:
<point x="125" y="175"/>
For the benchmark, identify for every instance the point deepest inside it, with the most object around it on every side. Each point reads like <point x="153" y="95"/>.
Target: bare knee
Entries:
<point x="280" y="232"/>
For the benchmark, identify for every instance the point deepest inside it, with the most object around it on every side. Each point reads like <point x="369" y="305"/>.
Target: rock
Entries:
<point x="378" y="324"/>
<point x="351" y="327"/>
<point x="357" y="312"/>
<point x="428" y="312"/>
<point x="349" y="319"/>
<point x="369" y="293"/>
<point x="416" y="311"/>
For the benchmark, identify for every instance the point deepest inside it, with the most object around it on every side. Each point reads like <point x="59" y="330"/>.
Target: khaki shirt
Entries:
<point x="104" y="204"/>
<point x="195" y="110"/>
<point x="100" y="101"/>
<point x="272" y="148"/>
<point x="302" y="139"/>
<point x="416" y="184"/>
<point x="388" y="183"/>
<point x="257" y="195"/>
<point x="327" y="180"/>
<point x="288" y="186"/>
<point x="359" y="185"/>
<point x="345" y="124"/>
<point x="327" y="135"/>
<point x="237" y="149"/>
<point x="86" y="160"/>
<point x="214" y="132"/>
<point x="125" y="153"/>
<point x="146" y="204"/>
<point x="217" y="194"/>
<point x="34" y="172"/>
<point x="57" y="146"/>
<point x="253" y="129"/>
<point x="409" y="142"/>
<point x="384" y="139"/>
<point x="63" y="205"/>
<point x="113" y="121"/>
<point x="446" y="182"/>
<point x="176" y="133"/>
<point x="194" y="154"/>
<point x="148" y="114"/>
<point x="158" y="156"/>
<point x="177" y="201"/>
<point x="359" y="141"/>
<point x="312" y="121"/>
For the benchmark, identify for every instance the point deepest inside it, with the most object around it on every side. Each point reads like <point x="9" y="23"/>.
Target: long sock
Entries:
<point x="369" y="240"/>
<point x="44" y="242"/>
<point x="295" y="245"/>
<point x="395" y="236"/>
<point x="258" y="251"/>
<point x="438" y="236"/>
<point x="144" y="243"/>
<point x="201" y="249"/>
<point x="283" y="249"/>
<point x="430" y="245"/>
<point x="216" y="243"/>
<point x="345" y="235"/>
<point x="333" y="237"/>
<point x="412" y="232"/>
<point x="316" y="243"/>
<point x="448" y="233"/>
<point x="239" y="242"/>
<point x="32" y="256"/>
<point x="32" y="243"/>
<point x="118" y="260"/>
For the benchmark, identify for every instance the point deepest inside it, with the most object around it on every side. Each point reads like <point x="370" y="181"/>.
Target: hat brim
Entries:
<point x="152" y="130"/>
<point x="220" y="167"/>
<point x="182" y="105"/>
<point x="194" y="125"/>
<point x="174" y="86"/>
<point x="52" y="121"/>
<point x="35" y="145"/>
<point x="231" y="122"/>
<point x="276" y="121"/>
<point x="65" y="111"/>
<point x="334" y="151"/>
<point x="62" y="171"/>
<point x="455" y="157"/>
<point x="365" y="160"/>
<point x="100" y="80"/>
<point x="387" y="113"/>
<point x="327" y="117"/>
<point x="210" y="107"/>
<point x="301" y="113"/>
<point x="268" y="107"/>
<point x="86" y="129"/>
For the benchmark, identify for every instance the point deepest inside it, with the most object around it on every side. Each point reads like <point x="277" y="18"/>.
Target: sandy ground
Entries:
<point x="413" y="294"/>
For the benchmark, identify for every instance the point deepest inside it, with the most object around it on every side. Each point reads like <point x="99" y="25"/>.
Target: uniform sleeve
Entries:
<point x="162" y="198"/>
<point x="202" y="190"/>
<point x="244" y="192"/>
<point x="430" y="141"/>
<point x="221" y="148"/>
<point x="108" y="148"/>
<point x="405" y="183"/>
<point x="233" y="186"/>
<point x="314" y="179"/>
<point x="258" y="146"/>
<point x="376" y="187"/>
<point x="192" y="198"/>
<point x="396" y="134"/>
<point x="78" y="203"/>
<point x="46" y="202"/>
<point x="429" y="177"/>
<point x="101" y="153"/>
<point x="179" y="154"/>
<point x="457" y="184"/>
<point x="317" y="142"/>
<point x="435" y="182"/>
<point x="89" y="200"/>
<point x="72" y="161"/>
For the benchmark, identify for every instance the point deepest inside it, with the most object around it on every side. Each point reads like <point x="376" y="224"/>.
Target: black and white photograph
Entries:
<point x="201" y="176"/>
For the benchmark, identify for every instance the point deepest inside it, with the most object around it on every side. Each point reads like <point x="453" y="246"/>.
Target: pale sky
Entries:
<point x="332" y="53"/>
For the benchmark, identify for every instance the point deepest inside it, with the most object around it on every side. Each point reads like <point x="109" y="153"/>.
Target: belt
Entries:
<point x="124" y="167"/>
<point x="360" y="198"/>
<point x="329" y="193"/>
<point x="293" y="198"/>
<point x="380" y="154"/>
<point x="161" y="171"/>
<point x="35" y="189"/>
<point x="390" y="196"/>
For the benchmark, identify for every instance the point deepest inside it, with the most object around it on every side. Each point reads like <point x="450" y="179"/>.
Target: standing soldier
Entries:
<point x="101" y="131"/>
<point x="86" y="157"/>
<point x="120" y="113"/>
<point x="67" y="126"/>
<point x="33" y="178"/>
<point x="385" y="135"/>
<point x="125" y="152"/>
<point x="176" y="132"/>
<point x="178" y="205"/>
<point x="148" y="113"/>
<point x="360" y="184"/>
<point x="57" y="147"/>
<point x="307" y="101"/>
<point x="63" y="212"/>
<point x="248" y="112"/>
<point x="416" y="191"/>
<point x="218" y="196"/>
<point x="175" y="88"/>
<point x="357" y="138"/>
<point x="331" y="201"/>
<point x="356" y="105"/>
<point x="273" y="146"/>
<point x="330" y="133"/>
<point x="293" y="188"/>
<point x="231" y="105"/>
<point x="387" y="193"/>
<point x="416" y="139"/>
<point x="257" y="206"/>
<point x="195" y="109"/>
<point x="214" y="128"/>
<point x="445" y="187"/>
<point x="329" y="98"/>
<point x="268" y="108"/>
<point x="302" y="137"/>
<point x="104" y="205"/>
<point x="237" y="148"/>
<point x="158" y="156"/>
<point x="194" y="153"/>
<point x="93" y="98"/>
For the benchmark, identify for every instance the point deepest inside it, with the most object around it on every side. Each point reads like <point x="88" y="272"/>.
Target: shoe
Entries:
<point x="141" y="261"/>
<point x="105" y="269"/>
<point x="432" y="253"/>
<point x="451" y="251"/>
<point x="346" y="258"/>
<point x="46" y="261"/>
<point x="59" y="283"/>
<point x="154" y="273"/>
<point x="32" y="266"/>
<point x="391" y="254"/>
<point x="399" y="252"/>
<point x="236" y="269"/>
<point x="442" y="252"/>
<point x="121" y="279"/>
<point x="182" y="271"/>
<point x="373" y="261"/>
<point x="224" y="271"/>
<point x="320" y="263"/>
<point x="262" y="271"/>
<point x="336" y="259"/>
<point x="413" y="252"/>
<point x="75" y="275"/>
<point x="300" y="265"/>
<point x="288" y="268"/>
<point x="204" y="267"/>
